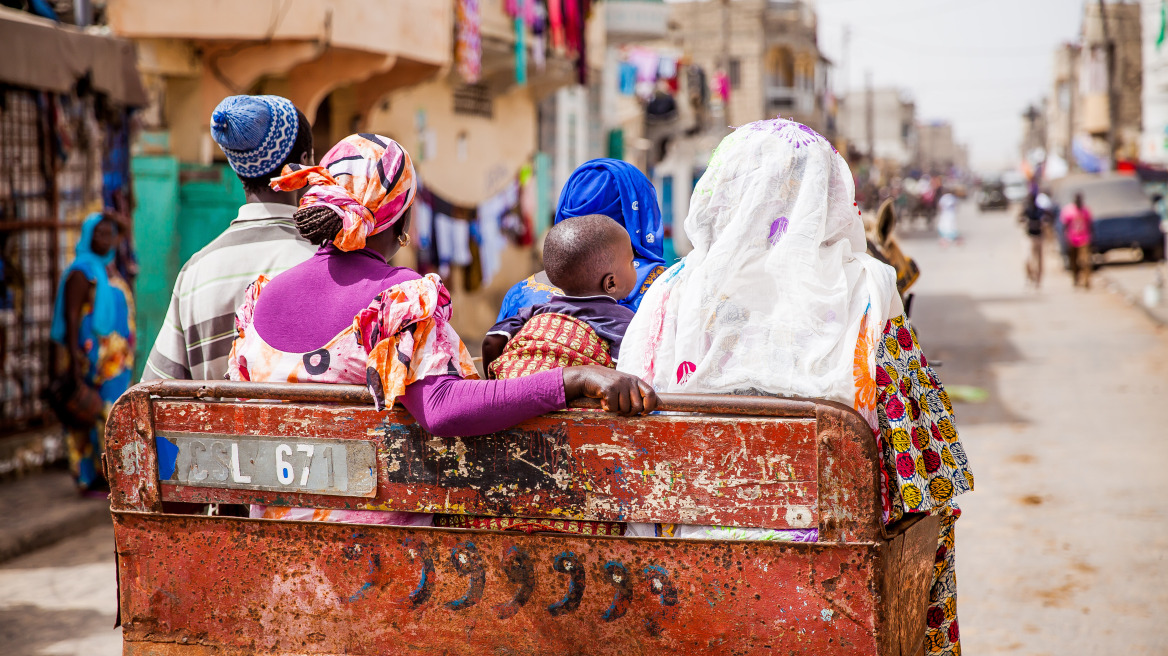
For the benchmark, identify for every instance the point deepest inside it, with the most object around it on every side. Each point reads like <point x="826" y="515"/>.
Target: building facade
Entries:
<point x="768" y="49"/>
<point x="1154" y="138"/>
<point x="880" y="124"/>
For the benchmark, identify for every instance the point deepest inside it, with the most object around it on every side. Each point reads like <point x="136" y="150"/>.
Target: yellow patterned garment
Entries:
<point x="549" y="341"/>
<point x="923" y="464"/>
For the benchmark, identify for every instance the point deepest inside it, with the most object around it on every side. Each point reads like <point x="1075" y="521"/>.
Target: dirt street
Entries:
<point x="1063" y="547"/>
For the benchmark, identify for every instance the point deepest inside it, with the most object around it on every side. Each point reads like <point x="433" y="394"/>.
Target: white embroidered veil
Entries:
<point x="773" y="295"/>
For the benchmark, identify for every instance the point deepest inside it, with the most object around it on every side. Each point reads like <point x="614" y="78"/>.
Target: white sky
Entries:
<point x="976" y="63"/>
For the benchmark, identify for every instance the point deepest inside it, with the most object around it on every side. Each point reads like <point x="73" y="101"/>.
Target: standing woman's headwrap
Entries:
<point x="621" y="192"/>
<point x="368" y="180"/>
<point x="778" y="288"/>
<point x="93" y="266"/>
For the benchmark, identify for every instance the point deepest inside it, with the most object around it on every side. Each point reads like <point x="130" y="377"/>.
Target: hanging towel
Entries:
<point x="422" y="225"/>
<point x="627" y="78"/>
<point x="489" y="229"/>
<point x="469" y="50"/>
<point x="521" y="45"/>
<point x="556" y="23"/>
<point x="460" y="254"/>
<point x="444" y="237"/>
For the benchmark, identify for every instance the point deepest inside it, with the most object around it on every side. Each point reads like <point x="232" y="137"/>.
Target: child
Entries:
<point x="591" y="259"/>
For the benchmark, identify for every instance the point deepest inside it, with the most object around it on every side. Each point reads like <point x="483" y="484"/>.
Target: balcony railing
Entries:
<point x="782" y="99"/>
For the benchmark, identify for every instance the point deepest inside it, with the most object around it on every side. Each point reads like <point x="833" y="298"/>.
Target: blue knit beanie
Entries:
<point x="255" y="132"/>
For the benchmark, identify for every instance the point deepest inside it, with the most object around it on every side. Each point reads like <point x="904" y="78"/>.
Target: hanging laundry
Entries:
<point x="520" y="45"/>
<point x="444" y="238"/>
<point x="699" y="90"/>
<point x="489" y="229"/>
<point x="572" y="20"/>
<point x="460" y="254"/>
<point x="468" y="51"/>
<point x="556" y="23"/>
<point x="722" y="86"/>
<point x="539" y="24"/>
<point x="422" y="223"/>
<point x="646" y="61"/>
<point x="667" y="68"/>
<point x="582" y="39"/>
<point x="627" y="78"/>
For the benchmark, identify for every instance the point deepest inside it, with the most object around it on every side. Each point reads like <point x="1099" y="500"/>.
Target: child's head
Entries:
<point x="590" y="256"/>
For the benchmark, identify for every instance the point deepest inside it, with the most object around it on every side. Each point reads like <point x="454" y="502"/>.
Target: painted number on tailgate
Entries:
<point x="340" y="467"/>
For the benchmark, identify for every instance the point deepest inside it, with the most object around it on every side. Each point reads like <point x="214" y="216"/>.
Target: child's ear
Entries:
<point x="608" y="283"/>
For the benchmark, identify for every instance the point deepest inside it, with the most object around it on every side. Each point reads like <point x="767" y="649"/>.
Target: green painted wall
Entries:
<point x="155" y="180"/>
<point x="180" y="209"/>
<point x="209" y="198"/>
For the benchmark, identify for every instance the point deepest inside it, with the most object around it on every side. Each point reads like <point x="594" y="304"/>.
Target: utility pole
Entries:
<point x="1112" y="109"/>
<point x="870" y="116"/>
<point x="846" y="69"/>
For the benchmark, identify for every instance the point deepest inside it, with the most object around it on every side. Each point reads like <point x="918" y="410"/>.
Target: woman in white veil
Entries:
<point x="779" y="297"/>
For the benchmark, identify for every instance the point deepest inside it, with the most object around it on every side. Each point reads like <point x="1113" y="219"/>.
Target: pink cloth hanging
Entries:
<point x="556" y="21"/>
<point x="469" y="49"/>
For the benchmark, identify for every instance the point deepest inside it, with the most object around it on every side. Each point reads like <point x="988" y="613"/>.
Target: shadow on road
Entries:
<point x="953" y="331"/>
<point x="26" y="630"/>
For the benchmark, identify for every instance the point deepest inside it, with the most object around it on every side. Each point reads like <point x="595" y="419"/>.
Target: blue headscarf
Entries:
<point x="93" y="266"/>
<point x="620" y="191"/>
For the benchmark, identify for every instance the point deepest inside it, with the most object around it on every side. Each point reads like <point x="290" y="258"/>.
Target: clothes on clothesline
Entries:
<point x="472" y="239"/>
<point x="469" y="49"/>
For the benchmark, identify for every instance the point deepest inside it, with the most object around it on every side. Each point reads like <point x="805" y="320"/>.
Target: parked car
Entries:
<point x="1016" y="186"/>
<point x="992" y="196"/>
<point x="1124" y="216"/>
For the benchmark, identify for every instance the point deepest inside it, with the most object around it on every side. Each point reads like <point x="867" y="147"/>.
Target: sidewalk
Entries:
<point x="40" y="509"/>
<point x="1132" y="282"/>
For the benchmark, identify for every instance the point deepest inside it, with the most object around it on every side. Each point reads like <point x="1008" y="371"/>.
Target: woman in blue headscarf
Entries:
<point x="621" y="192"/>
<point x="94" y="319"/>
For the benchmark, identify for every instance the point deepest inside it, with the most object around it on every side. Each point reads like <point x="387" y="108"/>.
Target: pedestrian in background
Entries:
<point x="1034" y="219"/>
<point x="259" y="135"/>
<point x="93" y="318"/>
<point x="1078" y="228"/>
<point x="947" y="218"/>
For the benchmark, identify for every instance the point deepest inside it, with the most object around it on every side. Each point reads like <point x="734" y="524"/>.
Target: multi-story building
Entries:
<point x="1062" y="103"/>
<point x="1118" y="28"/>
<point x="768" y="49"/>
<point x="879" y="123"/>
<point x="938" y="152"/>
<point x="1154" y="140"/>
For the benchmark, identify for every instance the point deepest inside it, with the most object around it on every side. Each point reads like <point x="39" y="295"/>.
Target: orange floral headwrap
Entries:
<point x="367" y="179"/>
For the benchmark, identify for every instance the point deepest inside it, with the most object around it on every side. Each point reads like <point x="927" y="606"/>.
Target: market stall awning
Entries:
<point x="39" y="54"/>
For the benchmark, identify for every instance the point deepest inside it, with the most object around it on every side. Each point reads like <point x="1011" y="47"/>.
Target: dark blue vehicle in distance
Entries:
<point x="1124" y="215"/>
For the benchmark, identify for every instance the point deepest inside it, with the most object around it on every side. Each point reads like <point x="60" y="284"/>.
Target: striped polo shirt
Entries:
<point x="195" y="340"/>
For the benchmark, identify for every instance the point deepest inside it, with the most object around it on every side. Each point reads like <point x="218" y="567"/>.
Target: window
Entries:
<point x="473" y="100"/>
<point x="735" y="72"/>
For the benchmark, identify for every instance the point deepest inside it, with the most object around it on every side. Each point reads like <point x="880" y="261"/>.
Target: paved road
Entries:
<point x="62" y="600"/>
<point x="1062" y="548"/>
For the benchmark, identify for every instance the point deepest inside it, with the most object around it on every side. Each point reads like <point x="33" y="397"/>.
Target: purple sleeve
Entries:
<point x="448" y="405"/>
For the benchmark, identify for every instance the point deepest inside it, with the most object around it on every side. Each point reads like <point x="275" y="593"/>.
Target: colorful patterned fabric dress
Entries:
<point x="549" y="341"/>
<point x="924" y="466"/>
<point x="111" y="369"/>
<point x="403" y="336"/>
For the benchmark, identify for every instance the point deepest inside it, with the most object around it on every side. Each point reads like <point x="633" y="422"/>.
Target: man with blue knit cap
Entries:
<point x="259" y="135"/>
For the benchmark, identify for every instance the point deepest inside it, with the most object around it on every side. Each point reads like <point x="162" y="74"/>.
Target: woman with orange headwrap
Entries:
<point x="347" y="316"/>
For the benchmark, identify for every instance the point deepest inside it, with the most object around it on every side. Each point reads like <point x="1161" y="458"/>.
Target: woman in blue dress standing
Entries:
<point x="621" y="192"/>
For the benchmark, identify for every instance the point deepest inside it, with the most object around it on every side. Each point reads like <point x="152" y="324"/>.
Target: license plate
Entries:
<point x="316" y="466"/>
